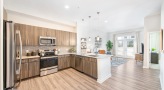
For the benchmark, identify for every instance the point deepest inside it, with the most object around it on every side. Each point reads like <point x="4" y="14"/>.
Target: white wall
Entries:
<point x="1" y="44"/>
<point x="84" y="32"/>
<point x="151" y="23"/>
<point x="140" y="30"/>
<point x="162" y="15"/>
<point x="35" y="21"/>
<point x="162" y="55"/>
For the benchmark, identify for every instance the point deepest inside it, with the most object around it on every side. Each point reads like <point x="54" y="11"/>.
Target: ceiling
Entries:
<point x="118" y="14"/>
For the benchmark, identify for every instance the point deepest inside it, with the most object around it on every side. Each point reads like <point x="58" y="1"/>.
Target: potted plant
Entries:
<point x="153" y="49"/>
<point x="109" y="46"/>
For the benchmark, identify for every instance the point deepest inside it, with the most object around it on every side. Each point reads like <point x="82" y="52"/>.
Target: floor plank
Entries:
<point x="129" y="76"/>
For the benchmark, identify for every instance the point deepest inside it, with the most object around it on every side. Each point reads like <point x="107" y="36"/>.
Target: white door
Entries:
<point x="125" y="46"/>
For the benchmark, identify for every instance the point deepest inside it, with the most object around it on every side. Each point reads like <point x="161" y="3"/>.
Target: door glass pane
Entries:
<point x="120" y="43"/>
<point x="120" y="38"/>
<point x="130" y="43"/>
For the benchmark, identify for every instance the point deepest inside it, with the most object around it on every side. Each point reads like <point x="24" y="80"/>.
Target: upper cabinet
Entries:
<point x="72" y="39"/>
<point x="30" y="35"/>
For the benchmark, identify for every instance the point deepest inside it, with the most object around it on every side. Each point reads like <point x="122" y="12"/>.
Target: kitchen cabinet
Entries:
<point x="30" y="35"/>
<point x="34" y="67"/>
<point x="24" y="69"/>
<point x="58" y="37"/>
<point x="22" y="29"/>
<point x="29" y="68"/>
<point x="94" y="67"/>
<point x="79" y="63"/>
<point x="72" y="39"/>
<point x="72" y="61"/>
<point x="67" y="61"/>
<point x="87" y="66"/>
<point x="63" y="61"/>
<point x="36" y="36"/>
<point x="65" y="41"/>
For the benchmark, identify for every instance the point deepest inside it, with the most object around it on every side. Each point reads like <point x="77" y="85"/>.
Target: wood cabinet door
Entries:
<point x="79" y="63"/>
<point x="58" y="37"/>
<point x="34" y="67"/>
<point x="72" y="39"/>
<point x="36" y="36"/>
<point x="67" y="57"/>
<point x="94" y="67"/>
<point x="29" y="35"/>
<point x="59" y="63"/>
<point x="66" y="40"/>
<point x="24" y="69"/>
<point x="72" y="61"/>
<point x="87" y="66"/>
<point x="22" y="29"/>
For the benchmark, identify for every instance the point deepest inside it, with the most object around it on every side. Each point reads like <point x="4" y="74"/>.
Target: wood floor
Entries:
<point x="129" y="76"/>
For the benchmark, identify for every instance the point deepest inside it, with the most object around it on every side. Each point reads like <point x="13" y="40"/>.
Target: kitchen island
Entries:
<point x="97" y="66"/>
<point x="103" y="66"/>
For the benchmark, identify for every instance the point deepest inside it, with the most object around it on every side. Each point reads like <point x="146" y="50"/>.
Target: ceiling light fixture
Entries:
<point x="106" y="21"/>
<point x="67" y="7"/>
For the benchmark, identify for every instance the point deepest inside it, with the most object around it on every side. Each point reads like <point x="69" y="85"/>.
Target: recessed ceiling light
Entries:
<point x="106" y="21"/>
<point x="66" y="6"/>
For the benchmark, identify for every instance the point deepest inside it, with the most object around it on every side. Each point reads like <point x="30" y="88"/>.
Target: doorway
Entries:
<point x="154" y="49"/>
<point x="125" y="45"/>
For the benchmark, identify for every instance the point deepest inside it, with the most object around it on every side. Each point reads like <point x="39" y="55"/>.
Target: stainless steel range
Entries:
<point x="48" y="63"/>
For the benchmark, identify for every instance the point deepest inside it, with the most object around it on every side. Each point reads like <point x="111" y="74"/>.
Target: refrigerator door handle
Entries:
<point x="20" y="61"/>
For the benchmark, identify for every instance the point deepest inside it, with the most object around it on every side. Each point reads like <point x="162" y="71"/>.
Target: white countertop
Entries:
<point x="28" y="57"/>
<point x="98" y="56"/>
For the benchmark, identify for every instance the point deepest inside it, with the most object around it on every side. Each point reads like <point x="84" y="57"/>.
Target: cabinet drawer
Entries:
<point x="34" y="59"/>
<point x="23" y="60"/>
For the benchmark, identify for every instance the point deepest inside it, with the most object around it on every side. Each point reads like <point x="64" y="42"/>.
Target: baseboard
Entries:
<point x="103" y="79"/>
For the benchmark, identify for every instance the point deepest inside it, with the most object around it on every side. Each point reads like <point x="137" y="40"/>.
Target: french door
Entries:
<point x="125" y="46"/>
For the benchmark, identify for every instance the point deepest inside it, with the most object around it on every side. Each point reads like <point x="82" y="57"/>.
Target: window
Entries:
<point x="120" y="43"/>
<point x="130" y="43"/>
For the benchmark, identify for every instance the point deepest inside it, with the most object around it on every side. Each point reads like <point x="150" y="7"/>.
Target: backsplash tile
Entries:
<point x="63" y="49"/>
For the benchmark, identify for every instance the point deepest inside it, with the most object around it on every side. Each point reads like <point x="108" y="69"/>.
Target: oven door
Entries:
<point x="48" y="62"/>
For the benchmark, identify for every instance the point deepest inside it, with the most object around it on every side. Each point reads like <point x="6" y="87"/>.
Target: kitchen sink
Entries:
<point x="93" y="55"/>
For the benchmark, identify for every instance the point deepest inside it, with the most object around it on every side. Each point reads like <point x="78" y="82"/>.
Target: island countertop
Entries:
<point x="98" y="56"/>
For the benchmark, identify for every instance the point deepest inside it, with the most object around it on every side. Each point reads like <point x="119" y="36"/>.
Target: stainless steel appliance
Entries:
<point x="47" y="40"/>
<point x="11" y="69"/>
<point x="48" y="63"/>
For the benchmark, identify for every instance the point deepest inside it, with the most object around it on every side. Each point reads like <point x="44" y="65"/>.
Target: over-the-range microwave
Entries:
<point x="47" y="40"/>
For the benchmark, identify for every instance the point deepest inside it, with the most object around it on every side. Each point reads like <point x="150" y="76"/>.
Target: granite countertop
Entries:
<point x="28" y="57"/>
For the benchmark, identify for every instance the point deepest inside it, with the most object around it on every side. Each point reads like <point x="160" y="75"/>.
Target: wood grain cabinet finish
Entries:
<point x="72" y="39"/>
<point x="63" y="61"/>
<point x="87" y="66"/>
<point x="72" y="61"/>
<point x="30" y="35"/>
<point x="24" y="69"/>
<point x="94" y="67"/>
<point x="29" y="68"/>
<point x="79" y="63"/>
<point x="34" y="67"/>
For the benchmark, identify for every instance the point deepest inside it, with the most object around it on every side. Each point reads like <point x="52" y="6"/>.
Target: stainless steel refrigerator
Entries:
<point x="12" y="69"/>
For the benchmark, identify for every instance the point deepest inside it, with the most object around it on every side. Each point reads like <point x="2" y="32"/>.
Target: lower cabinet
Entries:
<point x="94" y="67"/>
<point x="87" y="66"/>
<point x="79" y="63"/>
<point x="90" y="66"/>
<point x="72" y="61"/>
<point x="83" y="64"/>
<point x="63" y="61"/>
<point x="29" y="68"/>
<point x="24" y="69"/>
<point x="34" y="67"/>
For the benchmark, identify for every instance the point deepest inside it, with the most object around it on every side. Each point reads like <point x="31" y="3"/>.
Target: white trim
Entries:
<point x="103" y="79"/>
<point x="1" y="44"/>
